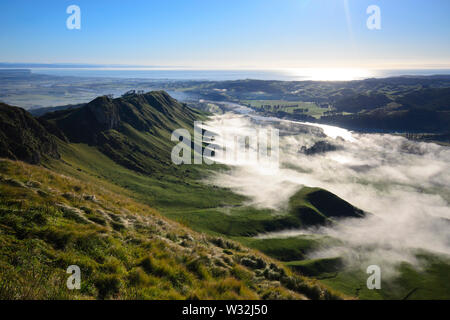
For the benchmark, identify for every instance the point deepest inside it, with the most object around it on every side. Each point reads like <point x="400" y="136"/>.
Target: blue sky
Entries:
<point x="228" y="34"/>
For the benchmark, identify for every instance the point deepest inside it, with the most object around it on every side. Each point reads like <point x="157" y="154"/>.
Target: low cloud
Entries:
<point x="405" y="185"/>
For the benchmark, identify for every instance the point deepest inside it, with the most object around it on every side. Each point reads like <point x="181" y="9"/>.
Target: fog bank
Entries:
<point x="405" y="185"/>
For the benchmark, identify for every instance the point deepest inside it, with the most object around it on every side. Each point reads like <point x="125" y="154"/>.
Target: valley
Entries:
<point x="202" y="159"/>
<point x="307" y="219"/>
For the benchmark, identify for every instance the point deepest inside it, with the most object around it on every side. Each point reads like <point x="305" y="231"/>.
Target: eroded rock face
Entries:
<point x="105" y="112"/>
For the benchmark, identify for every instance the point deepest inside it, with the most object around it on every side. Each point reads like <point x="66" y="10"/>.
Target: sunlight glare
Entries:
<point x="330" y="74"/>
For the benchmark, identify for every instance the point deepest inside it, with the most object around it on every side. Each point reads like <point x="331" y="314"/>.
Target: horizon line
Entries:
<point x="74" y="65"/>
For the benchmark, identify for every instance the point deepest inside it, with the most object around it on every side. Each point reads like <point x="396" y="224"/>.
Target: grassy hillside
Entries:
<point x="360" y="102"/>
<point x="23" y="137"/>
<point x="420" y="111"/>
<point x="179" y="190"/>
<point x="184" y="198"/>
<point x="133" y="130"/>
<point x="126" y="250"/>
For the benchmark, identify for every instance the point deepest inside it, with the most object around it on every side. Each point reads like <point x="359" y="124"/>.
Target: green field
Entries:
<point x="287" y="106"/>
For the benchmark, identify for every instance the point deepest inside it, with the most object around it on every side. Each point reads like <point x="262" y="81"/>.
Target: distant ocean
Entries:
<point x="221" y="75"/>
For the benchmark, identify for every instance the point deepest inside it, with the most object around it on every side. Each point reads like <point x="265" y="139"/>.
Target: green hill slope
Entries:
<point x="125" y="250"/>
<point x="314" y="206"/>
<point x="133" y="130"/>
<point x="421" y="111"/>
<point x="23" y="137"/>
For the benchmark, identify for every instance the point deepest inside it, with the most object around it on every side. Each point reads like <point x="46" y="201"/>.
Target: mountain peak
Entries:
<point x="132" y="130"/>
<point x="105" y="112"/>
<point x="143" y="112"/>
